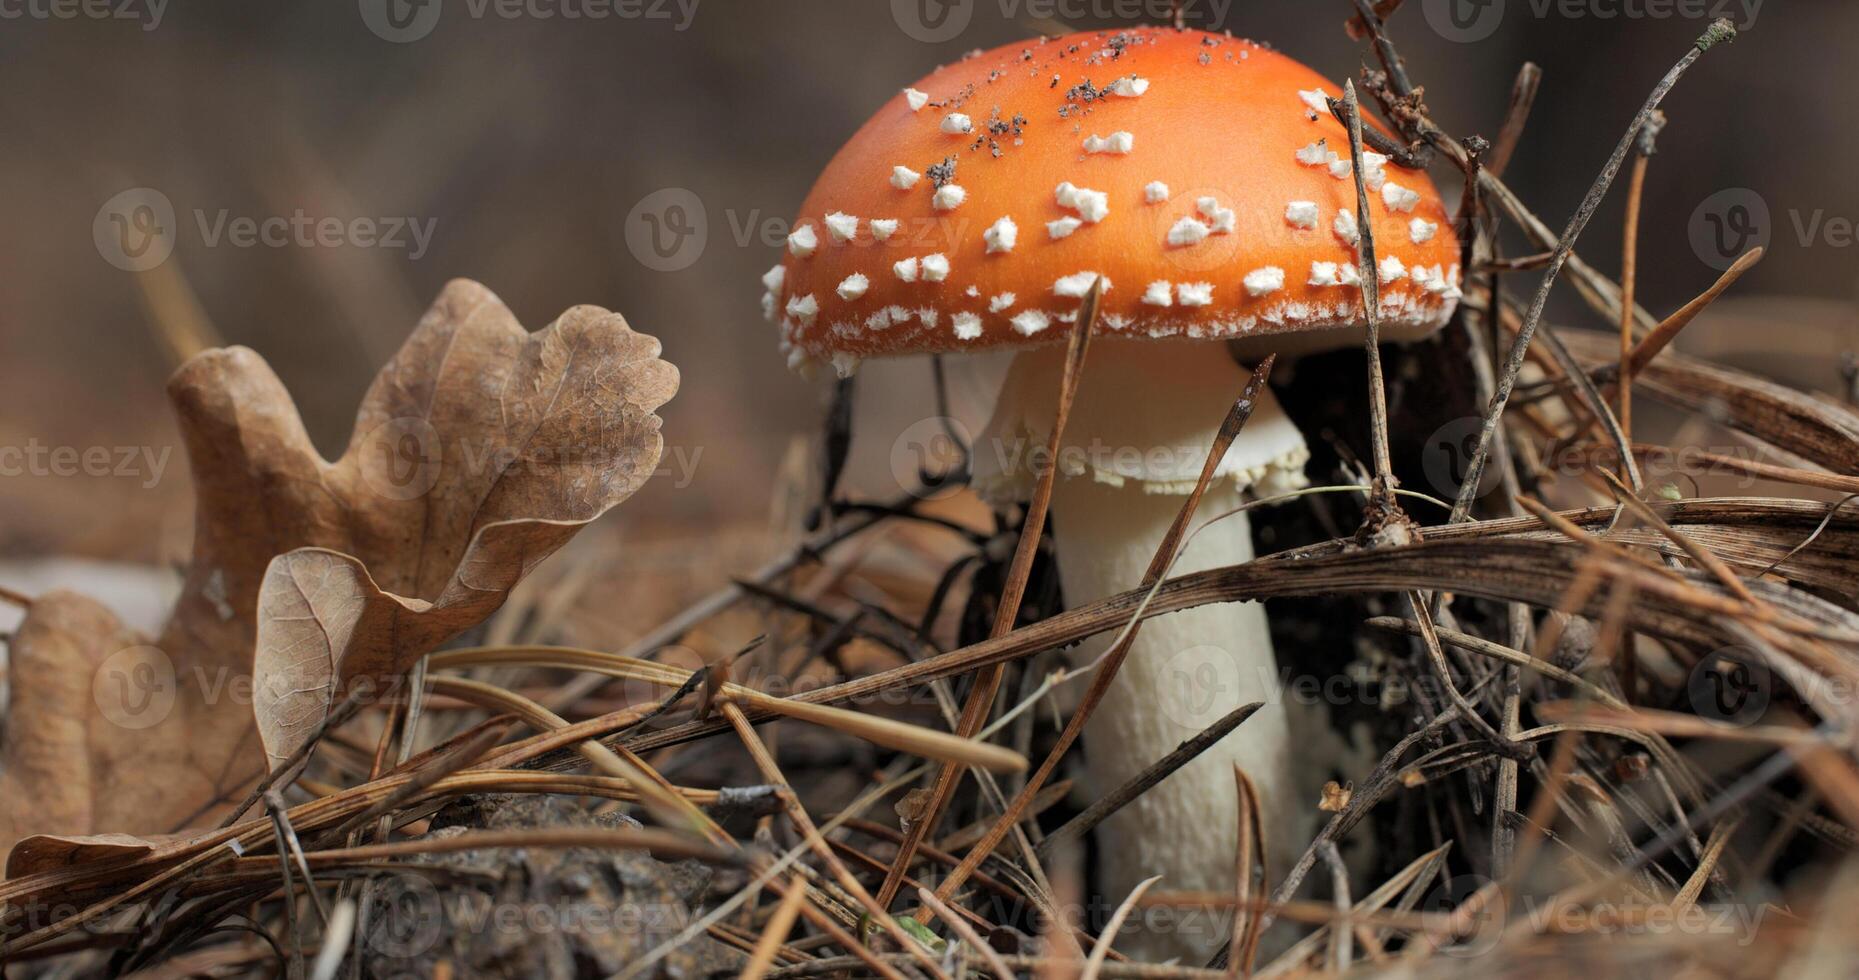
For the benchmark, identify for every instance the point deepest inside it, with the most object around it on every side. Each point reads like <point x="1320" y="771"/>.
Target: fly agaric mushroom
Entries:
<point x="1203" y="183"/>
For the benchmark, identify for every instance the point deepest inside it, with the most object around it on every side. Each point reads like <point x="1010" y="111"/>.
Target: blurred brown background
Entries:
<point x="525" y="141"/>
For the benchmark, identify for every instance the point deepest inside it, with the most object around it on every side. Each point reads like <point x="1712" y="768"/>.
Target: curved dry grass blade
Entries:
<point x="1246" y="928"/>
<point x="1667" y="331"/>
<point x="1483" y="565"/>
<point x="775" y="933"/>
<point x="1522" y="99"/>
<point x="597" y="838"/>
<point x="671" y="808"/>
<point x="771" y="771"/>
<point x="1095" y="964"/>
<point x="892" y="734"/>
<point x="968" y="935"/>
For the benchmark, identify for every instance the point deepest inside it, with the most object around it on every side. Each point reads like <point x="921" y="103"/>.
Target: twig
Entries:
<point x="771" y="771"/>
<point x="1522" y="99"/>
<point x="1629" y="263"/>
<point x="599" y="838"/>
<point x="967" y="934"/>
<point x="1662" y="335"/>
<point x="290" y="766"/>
<point x="1113" y="659"/>
<point x="1094" y="966"/>
<point x="287" y="835"/>
<point x="1340" y="950"/>
<point x="987" y="680"/>
<point x="1244" y="947"/>
<point x="775" y="933"/>
<point x="1718" y="32"/>
<point x="335" y="940"/>
<point x="1077" y="827"/>
<point x="1371" y="296"/>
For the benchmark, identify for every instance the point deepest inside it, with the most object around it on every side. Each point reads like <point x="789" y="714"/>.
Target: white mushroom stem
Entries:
<point x="1139" y="434"/>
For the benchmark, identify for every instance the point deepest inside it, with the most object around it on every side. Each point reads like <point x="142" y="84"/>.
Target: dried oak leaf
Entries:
<point x="478" y="451"/>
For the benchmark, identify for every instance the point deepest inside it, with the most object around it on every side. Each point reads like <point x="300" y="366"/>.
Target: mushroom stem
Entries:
<point x="1183" y="673"/>
<point x="1140" y="430"/>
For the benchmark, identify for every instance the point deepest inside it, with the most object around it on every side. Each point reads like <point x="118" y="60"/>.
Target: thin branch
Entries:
<point x="1718" y="32"/>
<point x="1077" y="827"/>
<point x="987" y="680"/>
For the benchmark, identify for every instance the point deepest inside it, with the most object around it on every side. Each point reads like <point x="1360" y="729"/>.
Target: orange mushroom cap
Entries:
<point x="1200" y="175"/>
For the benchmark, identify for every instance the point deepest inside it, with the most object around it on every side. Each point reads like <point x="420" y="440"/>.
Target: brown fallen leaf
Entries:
<point x="77" y="711"/>
<point x="478" y="450"/>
